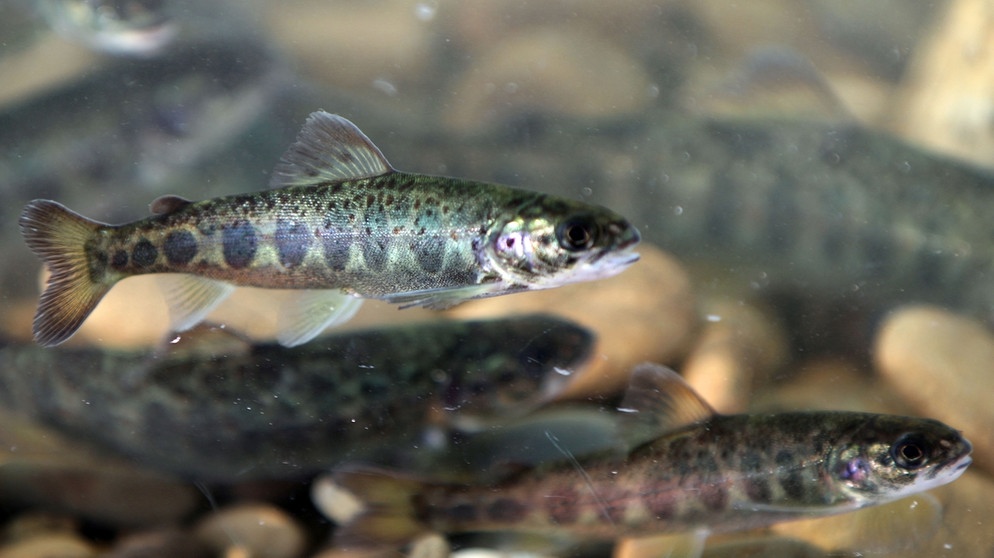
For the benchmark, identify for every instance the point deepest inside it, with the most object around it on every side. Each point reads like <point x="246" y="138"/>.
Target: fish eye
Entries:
<point x="577" y="233"/>
<point x="910" y="451"/>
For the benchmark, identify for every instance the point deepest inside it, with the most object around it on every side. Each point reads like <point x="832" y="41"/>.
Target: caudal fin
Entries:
<point x="59" y="237"/>
<point x="372" y="507"/>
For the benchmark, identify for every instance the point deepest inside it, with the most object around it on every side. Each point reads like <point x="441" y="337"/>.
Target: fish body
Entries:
<point x="340" y="222"/>
<point x="224" y="410"/>
<point x="706" y="472"/>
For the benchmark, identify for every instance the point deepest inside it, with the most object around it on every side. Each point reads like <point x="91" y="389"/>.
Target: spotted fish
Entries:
<point x="340" y="224"/>
<point x="706" y="473"/>
<point x="215" y="408"/>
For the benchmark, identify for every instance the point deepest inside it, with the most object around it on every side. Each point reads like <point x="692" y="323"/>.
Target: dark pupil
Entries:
<point x="577" y="235"/>
<point x="909" y="452"/>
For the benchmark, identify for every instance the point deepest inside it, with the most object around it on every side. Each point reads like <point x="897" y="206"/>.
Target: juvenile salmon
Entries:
<point x="231" y="411"/>
<point x="339" y="223"/>
<point x="705" y="473"/>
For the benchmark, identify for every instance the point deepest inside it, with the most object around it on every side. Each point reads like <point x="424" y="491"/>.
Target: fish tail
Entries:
<point x="77" y="283"/>
<point x="372" y="507"/>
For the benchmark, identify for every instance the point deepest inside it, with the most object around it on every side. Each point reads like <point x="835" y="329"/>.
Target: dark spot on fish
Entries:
<point x="374" y="251"/>
<point x="180" y="247"/>
<point x="462" y="512"/>
<point x="505" y="510"/>
<point x="833" y="242"/>
<point x="144" y="253"/>
<point x="370" y="200"/>
<point x="561" y="504"/>
<point x="336" y="249"/>
<point x="351" y="217"/>
<point x="429" y="252"/>
<point x="928" y="268"/>
<point x="398" y="229"/>
<point x="879" y="252"/>
<point x="292" y="242"/>
<point x="389" y="200"/>
<point x="660" y="502"/>
<point x="119" y="260"/>
<point x="757" y="486"/>
<point x="789" y="475"/>
<point x="722" y="206"/>
<point x="714" y="496"/>
<point x="239" y="244"/>
<point x="417" y="204"/>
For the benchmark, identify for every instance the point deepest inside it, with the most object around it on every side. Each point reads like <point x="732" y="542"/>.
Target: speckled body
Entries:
<point x="377" y="236"/>
<point x="269" y="411"/>
<point x="729" y="473"/>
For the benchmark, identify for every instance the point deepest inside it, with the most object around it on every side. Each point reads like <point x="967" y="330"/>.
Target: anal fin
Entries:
<point x="191" y="298"/>
<point x="308" y="313"/>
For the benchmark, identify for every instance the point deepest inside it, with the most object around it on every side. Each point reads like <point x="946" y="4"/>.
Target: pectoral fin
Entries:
<point x="441" y="299"/>
<point x="307" y="313"/>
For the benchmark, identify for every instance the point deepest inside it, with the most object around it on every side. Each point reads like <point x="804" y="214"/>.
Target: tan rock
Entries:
<point x="831" y="384"/>
<point x="372" y="46"/>
<point x="562" y="70"/>
<point x="646" y="313"/>
<point x="253" y="531"/>
<point x="941" y="364"/>
<point x="56" y="545"/>
<point x="739" y="347"/>
<point x="164" y="543"/>
<point x="947" y="97"/>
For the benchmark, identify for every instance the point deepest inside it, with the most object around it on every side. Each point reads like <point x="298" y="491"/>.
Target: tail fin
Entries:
<point x="372" y="507"/>
<point x="59" y="237"/>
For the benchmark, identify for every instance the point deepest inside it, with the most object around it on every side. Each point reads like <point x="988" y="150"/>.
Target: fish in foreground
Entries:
<point x="339" y="223"/>
<point x="705" y="473"/>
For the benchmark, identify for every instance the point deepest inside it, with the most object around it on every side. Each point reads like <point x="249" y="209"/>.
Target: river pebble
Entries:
<point x="253" y="531"/>
<point x="941" y="363"/>
<point x="555" y="70"/>
<point x="739" y="348"/>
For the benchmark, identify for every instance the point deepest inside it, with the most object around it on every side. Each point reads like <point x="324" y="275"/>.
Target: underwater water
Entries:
<point x="809" y="180"/>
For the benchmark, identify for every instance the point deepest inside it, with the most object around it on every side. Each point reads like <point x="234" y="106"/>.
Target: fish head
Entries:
<point x="553" y="242"/>
<point x="890" y="457"/>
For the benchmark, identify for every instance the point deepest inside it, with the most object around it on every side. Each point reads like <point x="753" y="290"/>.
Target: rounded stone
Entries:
<point x="553" y="70"/>
<point x="54" y="545"/>
<point x="260" y="530"/>
<point x="738" y="350"/>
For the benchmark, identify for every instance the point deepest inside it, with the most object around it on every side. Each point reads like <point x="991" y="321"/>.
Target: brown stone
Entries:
<point x="259" y="530"/>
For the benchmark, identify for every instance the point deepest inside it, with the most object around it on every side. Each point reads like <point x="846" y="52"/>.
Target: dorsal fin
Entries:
<point x="658" y="400"/>
<point x="329" y="148"/>
<point x="167" y="204"/>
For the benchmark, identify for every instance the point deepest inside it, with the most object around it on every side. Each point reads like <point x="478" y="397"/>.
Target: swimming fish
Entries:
<point x="705" y="473"/>
<point x="340" y="223"/>
<point x="217" y="408"/>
